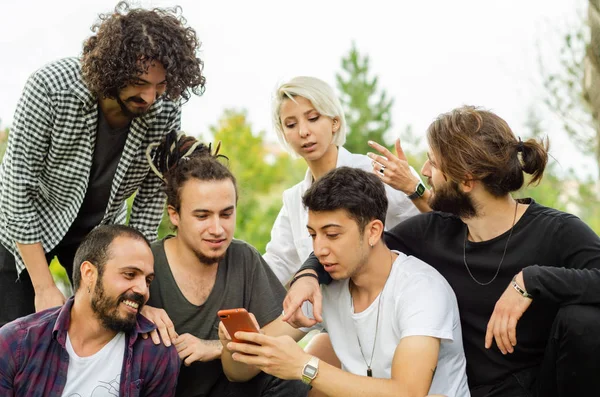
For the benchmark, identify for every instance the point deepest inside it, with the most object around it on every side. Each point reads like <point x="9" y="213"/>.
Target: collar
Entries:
<point x="59" y="332"/>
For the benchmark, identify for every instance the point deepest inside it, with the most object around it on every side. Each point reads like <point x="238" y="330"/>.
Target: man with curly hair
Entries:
<point x="76" y="151"/>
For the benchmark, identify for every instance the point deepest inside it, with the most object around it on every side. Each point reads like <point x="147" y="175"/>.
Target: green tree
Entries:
<point x="572" y="89"/>
<point x="3" y="142"/>
<point x="262" y="174"/>
<point x="367" y="108"/>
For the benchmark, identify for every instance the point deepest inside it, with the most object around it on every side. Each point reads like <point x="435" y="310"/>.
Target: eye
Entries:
<point x="149" y="281"/>
<point x="332" y="236"/>
<point x="201" y="217"/>
<point x="312" y="235"/>
<point x="227" y="214"/>
<point x="290" y="125"/>
<point x="129" y="275"/>
<point x="312" y="119"/>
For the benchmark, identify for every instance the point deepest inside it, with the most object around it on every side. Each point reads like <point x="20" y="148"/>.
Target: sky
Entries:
<point x="430" y="56"/>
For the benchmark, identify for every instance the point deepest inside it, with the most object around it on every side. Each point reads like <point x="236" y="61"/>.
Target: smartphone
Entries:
<point x="236" y="320"/>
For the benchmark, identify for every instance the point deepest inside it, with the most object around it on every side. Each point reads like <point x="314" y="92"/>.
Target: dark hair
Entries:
<point x="361" y="194"/>
<point x="126" y="42"/>
<point x="175" y="148"/>
<point x="472" y="143"/>
<point x="95" y="248"/>
<point x="203" y="168"/>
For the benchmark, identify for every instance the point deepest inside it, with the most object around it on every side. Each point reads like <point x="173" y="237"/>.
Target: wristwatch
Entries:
<point x="310" y="370"/>
<point x="419" y="191"/>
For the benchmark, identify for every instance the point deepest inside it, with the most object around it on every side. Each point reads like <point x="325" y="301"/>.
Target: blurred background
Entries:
<point x="395" y="65"/>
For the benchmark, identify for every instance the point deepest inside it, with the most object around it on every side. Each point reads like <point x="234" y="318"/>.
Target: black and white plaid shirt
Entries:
<point x="45" y="171"/>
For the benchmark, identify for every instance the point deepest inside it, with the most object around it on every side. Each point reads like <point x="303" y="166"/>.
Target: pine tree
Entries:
<point x="367" y="109"/>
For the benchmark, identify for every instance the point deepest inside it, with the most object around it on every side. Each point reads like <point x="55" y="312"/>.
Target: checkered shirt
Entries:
<point x="45" y="171"/>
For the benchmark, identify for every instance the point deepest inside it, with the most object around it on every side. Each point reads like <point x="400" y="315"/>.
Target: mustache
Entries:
<point x="136" y="99"/>
<point x="134" y="297"/>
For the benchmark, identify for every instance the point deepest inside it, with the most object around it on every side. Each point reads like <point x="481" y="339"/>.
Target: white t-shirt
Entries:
<point x="416" y="300"/>
<point x="98" y="375"/>
<point x="291" y="244"/>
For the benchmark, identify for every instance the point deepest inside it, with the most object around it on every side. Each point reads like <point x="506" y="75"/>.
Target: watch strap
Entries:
<point x="310" y="370"/>
<point x="419" y="191"/>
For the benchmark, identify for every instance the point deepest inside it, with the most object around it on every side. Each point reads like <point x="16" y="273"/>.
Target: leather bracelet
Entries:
<point x="304" y="275"/>
<point x="520" y="290"/>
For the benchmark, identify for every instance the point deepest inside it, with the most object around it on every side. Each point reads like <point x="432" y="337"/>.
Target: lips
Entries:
<point x="309" y="147"/>
<point x="215" y="243"/>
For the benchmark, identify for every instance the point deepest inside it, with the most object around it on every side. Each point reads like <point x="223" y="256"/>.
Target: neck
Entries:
<point x="495" y="216"/>
<point x="113" y="113"/>
<point x="183" y="257"/>
<point x="326" y="163"/>
<point x="86" y="332"/>
<point x="371" y="278"/>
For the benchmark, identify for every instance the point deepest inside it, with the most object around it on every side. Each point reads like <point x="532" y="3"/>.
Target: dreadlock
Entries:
<point x="175" y="148"/>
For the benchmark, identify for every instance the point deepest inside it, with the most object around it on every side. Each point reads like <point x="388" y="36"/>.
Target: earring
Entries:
<point x="371" y="244"/>
<point x="89" y="291"/>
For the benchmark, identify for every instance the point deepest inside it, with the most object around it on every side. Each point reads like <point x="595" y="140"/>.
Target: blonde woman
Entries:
<point x="309" y="121"/>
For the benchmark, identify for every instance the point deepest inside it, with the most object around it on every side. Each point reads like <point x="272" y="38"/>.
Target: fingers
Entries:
<point x="155" y="338"/>
<point x="317" y="306"/>
<point x="512" y="331"/>
<point x="254" y="321"/>
<point x="489" y="333"/>
<point x="399" y="151"/>
<point x="381" y="149"/>
<point x="223" y="332"/>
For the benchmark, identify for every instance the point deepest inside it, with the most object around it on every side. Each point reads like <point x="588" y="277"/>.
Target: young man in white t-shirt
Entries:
<point x="392" y="319"/>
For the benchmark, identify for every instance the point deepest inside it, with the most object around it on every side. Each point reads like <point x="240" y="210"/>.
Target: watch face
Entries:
<point x="420" y="189"/>
<point x="310" y="371"/>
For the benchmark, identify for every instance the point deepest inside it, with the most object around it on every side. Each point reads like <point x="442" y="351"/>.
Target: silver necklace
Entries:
<point x="369" y="370"/>
<point x="503" y="254"/>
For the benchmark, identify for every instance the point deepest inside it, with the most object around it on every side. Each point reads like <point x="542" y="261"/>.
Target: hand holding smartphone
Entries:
<point x="236" y="320"/>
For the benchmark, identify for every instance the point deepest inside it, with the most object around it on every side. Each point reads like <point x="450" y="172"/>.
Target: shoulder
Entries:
<point x="412" y="277"/>
<point x="59" y="75"/>
<point x="241" y="250"/>
<point x="541" y="217"/>
<point x="354" y="160"/>
<point x="430" y="223"/>
<point x="156" y="357"/>
<point x="29" y="329"/>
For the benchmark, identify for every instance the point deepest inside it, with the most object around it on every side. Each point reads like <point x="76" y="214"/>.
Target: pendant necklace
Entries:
<point x="501" y="260"/>
<point x="369" y="370"/>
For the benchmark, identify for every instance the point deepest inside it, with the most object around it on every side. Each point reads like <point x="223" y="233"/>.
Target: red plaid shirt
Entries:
<point x="34" y="361"/>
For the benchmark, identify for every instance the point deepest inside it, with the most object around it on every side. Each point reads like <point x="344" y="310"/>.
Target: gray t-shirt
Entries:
<point x="243" y="280"/>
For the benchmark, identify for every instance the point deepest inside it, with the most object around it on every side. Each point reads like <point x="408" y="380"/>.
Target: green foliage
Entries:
<point x="262" y="174"/>
<point x="3" y="142"/>
<point x="367" y="109"/>
<point x="568" y="95"/>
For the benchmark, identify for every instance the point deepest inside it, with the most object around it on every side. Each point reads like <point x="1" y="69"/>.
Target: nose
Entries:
<point x="149" y="95"/>
<point x="320" y="247"/>
<point x="141" y="287"/>
<point x="426" y="169"/>
<point x="303" y="129"/>
<point x="216" y="228"/>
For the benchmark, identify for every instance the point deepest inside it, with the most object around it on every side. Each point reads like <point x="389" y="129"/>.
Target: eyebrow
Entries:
<point x="136" y="269"/>
<point x="325" y="226"/>
<point x="147" y="82"/>
<point x="201" y="210"/>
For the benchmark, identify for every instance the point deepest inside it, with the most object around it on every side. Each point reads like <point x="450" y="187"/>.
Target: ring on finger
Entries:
<point x="382" y="170"/>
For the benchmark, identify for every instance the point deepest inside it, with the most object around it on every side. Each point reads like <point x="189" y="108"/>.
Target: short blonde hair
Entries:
<point x="322" y="97"/>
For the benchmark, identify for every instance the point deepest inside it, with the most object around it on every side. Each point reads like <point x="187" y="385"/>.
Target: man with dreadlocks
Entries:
<point x="203" y="269"/>
<point x="76" y="149"/>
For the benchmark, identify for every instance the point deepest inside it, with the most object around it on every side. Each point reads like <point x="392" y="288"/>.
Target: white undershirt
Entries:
<point x="98" y="374"/>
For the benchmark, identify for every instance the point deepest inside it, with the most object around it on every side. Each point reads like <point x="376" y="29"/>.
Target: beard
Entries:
<point x="129" y="112"/>
<point x="449" y="198"/>
<point x="106" y="309"/>
<point x="209" y="260"/>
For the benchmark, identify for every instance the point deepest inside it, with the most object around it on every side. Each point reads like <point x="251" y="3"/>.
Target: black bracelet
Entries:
<point x="304" y="275"/>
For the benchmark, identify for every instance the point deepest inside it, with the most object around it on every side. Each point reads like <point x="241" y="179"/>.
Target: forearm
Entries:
<point x="213" y="348"/>
<point x="333" y="381"/>
<point x="234" y="370"/>
<point x="35" y="261"/>
<point x="422" y="203"/>
<point x="313" y="264"/>
<point x="563" y="286"/>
